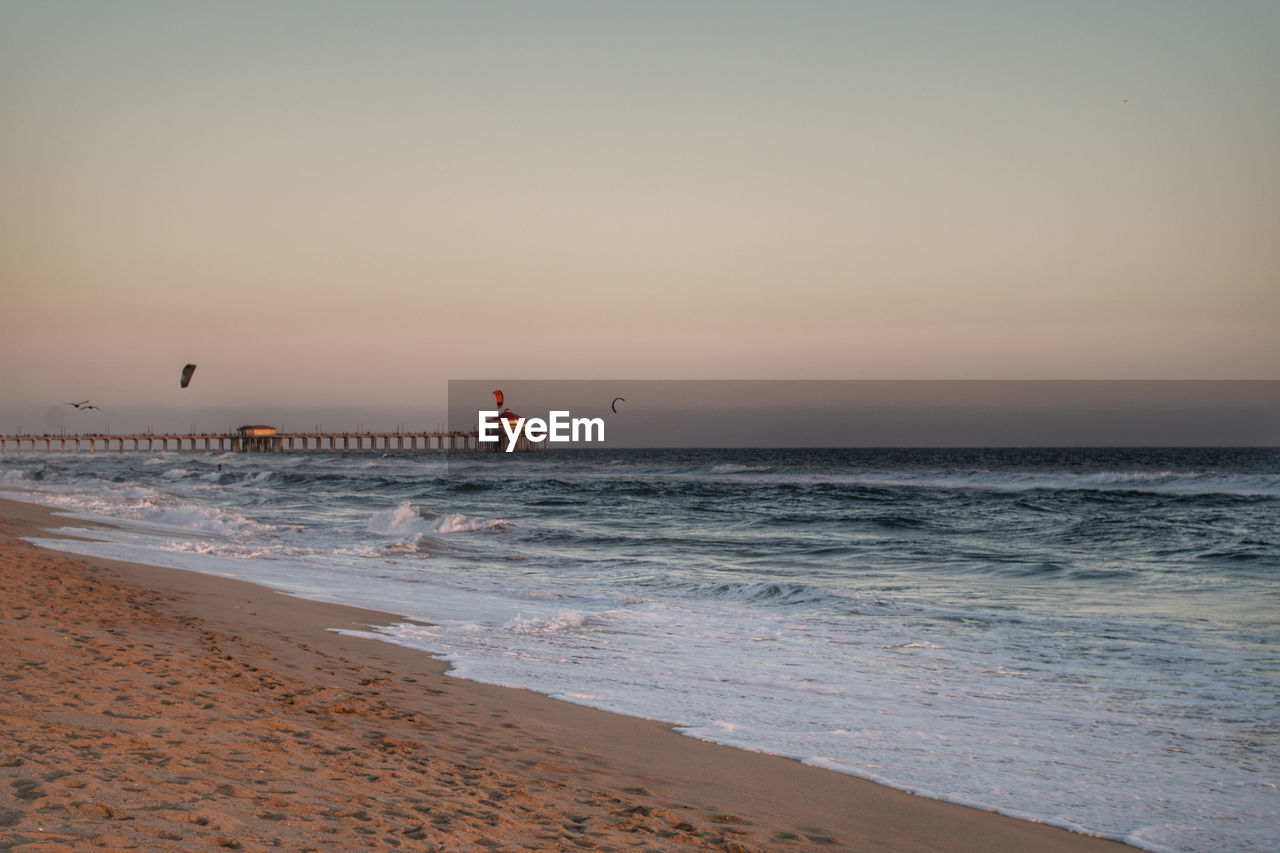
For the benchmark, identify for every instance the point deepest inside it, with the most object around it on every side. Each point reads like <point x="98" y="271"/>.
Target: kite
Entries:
<point x="186" y="374"/>
<point x="497" y="395"/>
<point x="614" y="404"/>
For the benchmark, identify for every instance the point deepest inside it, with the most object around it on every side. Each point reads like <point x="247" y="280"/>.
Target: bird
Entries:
<point x="78" y="405"/>
<point x="88" y="406"/>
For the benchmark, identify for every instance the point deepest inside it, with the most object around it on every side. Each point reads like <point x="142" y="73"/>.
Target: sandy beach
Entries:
<point x="154" y="709"/>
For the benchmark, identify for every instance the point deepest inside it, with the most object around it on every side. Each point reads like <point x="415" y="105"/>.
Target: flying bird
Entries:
<point x="78" y="405"/>
<point x="614" y="404"/>
<point x="186" y="374"/>
<point x="88" y="406"/>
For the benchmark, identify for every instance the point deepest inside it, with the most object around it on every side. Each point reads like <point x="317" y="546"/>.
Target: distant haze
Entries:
<point x="333" y="208"/>
<point x="734" y="413"/>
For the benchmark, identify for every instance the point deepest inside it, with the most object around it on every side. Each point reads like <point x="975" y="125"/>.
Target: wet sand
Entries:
<point x="154" y="709"/>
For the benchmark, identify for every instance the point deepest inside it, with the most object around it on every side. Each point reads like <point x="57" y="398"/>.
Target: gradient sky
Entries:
<point x="346" y="204"/>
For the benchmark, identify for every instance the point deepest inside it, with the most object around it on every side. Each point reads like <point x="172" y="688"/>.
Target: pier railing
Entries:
<point x="287" y="442"/>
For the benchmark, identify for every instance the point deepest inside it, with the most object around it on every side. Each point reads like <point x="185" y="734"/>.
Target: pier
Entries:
<point x="256" y="440"/>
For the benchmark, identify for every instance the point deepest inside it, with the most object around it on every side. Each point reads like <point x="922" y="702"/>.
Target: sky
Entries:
<point x="335" y="208"/>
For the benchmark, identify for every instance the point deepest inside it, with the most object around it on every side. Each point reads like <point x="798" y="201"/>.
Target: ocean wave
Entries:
<point x="730" y="468"/>
<point x="255" y="478"/>
<point x="136" y="504"/>
<point x="407" y="520"/>
<point x="1159" y="482"/>
<point x="779" y="594"/>
<point x="205" y="519"/>
<point x="471" y="486"/>
<point x="1183" y="483"/>
<point x="418" y="546"/>
<point x="898" y="522"/>
<point x="459" y="523"/>
<point x="1243" y="552"/>
<point x="239" y="550"/>
<point x="566" y="620"/>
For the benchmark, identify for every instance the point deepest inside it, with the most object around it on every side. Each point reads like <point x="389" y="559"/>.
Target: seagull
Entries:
<point x="78" y="405"/>
<point x="88" y="406"/>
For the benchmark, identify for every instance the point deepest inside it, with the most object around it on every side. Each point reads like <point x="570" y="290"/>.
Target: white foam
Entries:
<point x="564" y="621"/>
<point x="407" y="520"/>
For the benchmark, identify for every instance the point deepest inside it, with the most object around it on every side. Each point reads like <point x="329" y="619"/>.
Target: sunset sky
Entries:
<point x="334" y="208"/>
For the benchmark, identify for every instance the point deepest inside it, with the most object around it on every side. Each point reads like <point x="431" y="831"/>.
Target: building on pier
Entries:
<point x="258" y="438"/>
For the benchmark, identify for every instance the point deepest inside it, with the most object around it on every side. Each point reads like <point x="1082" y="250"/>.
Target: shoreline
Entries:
<point x="164" y="709"/>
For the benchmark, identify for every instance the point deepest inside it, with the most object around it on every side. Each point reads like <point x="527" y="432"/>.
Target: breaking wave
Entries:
<point x="410" y="523"/>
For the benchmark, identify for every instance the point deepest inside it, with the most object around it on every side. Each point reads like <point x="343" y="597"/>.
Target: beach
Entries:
<point x="156" y="709"/>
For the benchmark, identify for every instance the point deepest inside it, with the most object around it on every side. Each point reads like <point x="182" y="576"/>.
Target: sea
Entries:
<point x="1084" y="637"/>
